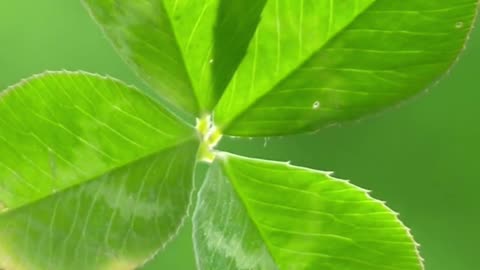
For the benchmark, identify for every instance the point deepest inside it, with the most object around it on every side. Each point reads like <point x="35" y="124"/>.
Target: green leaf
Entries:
<point x="187" y="50"/>
<point x="314" y="63"/>
<point x="254" y="214"/>
<point x="93" y="174"/>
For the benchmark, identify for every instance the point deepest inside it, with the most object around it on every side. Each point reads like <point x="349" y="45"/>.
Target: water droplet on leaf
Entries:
<point x="459" y="25"/>
<point x="316" y="105"/>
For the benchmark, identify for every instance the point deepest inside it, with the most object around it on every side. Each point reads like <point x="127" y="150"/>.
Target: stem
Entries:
<point x="210" y="136"/>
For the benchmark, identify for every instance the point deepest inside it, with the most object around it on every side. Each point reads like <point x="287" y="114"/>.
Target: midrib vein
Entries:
<point x="236" y="190"/>
<point x="99" y="174"/>
<point x="242" y="112"/>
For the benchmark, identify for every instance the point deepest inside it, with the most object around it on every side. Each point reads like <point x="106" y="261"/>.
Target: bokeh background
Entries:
<point x="422" y="157"/>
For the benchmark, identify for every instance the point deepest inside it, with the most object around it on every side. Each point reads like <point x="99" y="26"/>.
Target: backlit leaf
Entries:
<point x="314" y="63"/>
<point x="93" y="174"/>
<point x="279" y="67"/>
<point x="261" y="215"/>
<point x="187" y="50"/>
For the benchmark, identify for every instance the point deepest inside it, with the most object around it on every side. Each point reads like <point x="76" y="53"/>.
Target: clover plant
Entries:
<point x="96" y="174"/>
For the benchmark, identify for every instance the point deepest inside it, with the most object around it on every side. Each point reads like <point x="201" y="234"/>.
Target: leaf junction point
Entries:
<point x="210" y="136"/>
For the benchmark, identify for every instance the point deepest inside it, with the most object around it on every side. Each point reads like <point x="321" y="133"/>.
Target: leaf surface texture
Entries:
<point x="93" y="174"/>
<point x="316" y="63"/>
<point x="277" y="67"/>
<point x="187" y="50"/>
<point x="255" y="214"/>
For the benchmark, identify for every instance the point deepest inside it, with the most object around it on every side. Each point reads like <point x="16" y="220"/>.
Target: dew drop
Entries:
<point x="211" y="61"/>
<point x="316" y="105"/>
<point x="459" y="25"/>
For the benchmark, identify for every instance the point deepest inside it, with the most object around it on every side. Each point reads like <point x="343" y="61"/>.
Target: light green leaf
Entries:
<point x="313" y="63"/>
<point x="261" y="215"/>
<point x="187" y="50"/>
<point x="93" y="175"/>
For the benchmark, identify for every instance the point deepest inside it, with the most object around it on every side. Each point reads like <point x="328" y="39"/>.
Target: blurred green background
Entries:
<point x="423" y="157"/>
